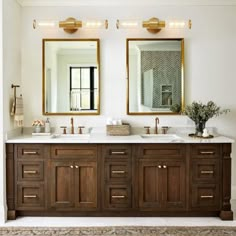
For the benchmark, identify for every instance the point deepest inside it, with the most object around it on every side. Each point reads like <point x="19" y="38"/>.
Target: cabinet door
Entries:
<point x="150" y="182"/>
<point x="85" y="184"/>
<point x="173" y="185"/>
<point x="62" y="183"/>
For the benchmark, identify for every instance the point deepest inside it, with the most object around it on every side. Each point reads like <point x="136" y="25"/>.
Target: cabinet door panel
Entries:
<point x="149" y="185"/>
<point x="174" y="185"/>
<point x="62" y="184"/>
<point x="86" y="185"/>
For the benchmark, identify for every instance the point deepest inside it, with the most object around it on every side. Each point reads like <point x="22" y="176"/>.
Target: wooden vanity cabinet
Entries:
<point x="119" y="179"/>
<point x="161" y="177"/>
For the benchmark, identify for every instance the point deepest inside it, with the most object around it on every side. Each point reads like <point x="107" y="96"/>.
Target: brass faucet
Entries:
<point x="72" y="125"/>
<point x="156" y="128"/>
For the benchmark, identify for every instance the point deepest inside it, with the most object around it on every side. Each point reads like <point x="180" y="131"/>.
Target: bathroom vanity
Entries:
<point x="115" y="176"/>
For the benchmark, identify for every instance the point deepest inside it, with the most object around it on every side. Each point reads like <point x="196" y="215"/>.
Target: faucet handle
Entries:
<point x="164" y="129"/>
<point x="80" y="129"/>
<point x="147" y="129"/>
<point x="64" y="129"/>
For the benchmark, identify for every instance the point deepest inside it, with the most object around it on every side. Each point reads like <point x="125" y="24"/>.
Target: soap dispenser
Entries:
<point x="47" y="126"/>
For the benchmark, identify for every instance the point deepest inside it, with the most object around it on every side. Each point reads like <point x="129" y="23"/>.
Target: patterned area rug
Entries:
<point x="118" y="231"/>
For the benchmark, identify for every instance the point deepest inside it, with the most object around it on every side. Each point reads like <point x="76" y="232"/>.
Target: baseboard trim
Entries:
<point x="233" y="192"/>
<point x="3" y="214"/>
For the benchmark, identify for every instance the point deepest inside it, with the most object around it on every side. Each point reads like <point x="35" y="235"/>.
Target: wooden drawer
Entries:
<point x="205" y="171"/>
<point x="117" y="197"/>
<point x="30" y="196"/>
<point x="116" y="152"/>
<point x="205" y="151"/>
<point x="206" y="197"/>
<point x="161" y="151"/>
<point x="30" y="171"/>
<point x="73" y="151"/>
<point x="29" y="151"/>
<point x="117" y="171"/>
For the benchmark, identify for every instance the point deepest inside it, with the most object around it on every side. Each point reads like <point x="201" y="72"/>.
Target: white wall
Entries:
<point x="11" y="73"/>
<point x="210" y="51"/>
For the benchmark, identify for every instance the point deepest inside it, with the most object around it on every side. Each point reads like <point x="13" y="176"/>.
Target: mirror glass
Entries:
<point x="155" y="70"/>
<point x="71" y="81"/>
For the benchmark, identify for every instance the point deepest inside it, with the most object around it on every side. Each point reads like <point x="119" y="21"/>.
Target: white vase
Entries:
<point x="37" y="129"/>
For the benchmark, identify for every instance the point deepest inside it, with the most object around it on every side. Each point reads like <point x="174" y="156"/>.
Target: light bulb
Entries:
<point x="45" y="24"/>
<point x="95" y="24"/>
<point x="127" y="24"/>
<point x="178" y="24"/>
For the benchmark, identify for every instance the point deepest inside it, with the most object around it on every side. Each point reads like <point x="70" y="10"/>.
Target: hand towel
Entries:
<point x="17" y="111"/>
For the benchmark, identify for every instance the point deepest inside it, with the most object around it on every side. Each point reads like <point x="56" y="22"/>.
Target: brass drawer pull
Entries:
<point x="207" y="196"/>
<point x="164" y="166"/>
<point x="159" y="166"/>
<point x="207" y="172"/>
<point x="71" y="167"/>
<point x="76" y="167"/>
<point x="30" y="171"/>
<point x="118" y="153"/>
<point x="206" y="152"/>
<point x="118" y="172"/>
<point x="118" y="196"/>
<point x="28" y="152"/>
<point x="30" y="196"/>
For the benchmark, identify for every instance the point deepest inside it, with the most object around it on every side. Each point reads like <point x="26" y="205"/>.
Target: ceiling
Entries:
<point x="126" y="2"/>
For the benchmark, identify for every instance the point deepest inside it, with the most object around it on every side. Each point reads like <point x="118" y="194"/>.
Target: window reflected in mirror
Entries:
<point x="155" y="76"/>
<point x="71" y="77"/>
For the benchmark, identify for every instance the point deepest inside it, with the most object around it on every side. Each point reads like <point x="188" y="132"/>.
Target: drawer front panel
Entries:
<point x="117" y="152"/>
<point x="117" y="197"/>
<point x="30" y="151"/>
<point x="74" y="151"/>
<point x="206" y="171"/>
<point x="30" y="171"/>
<point x="206" y="151"/>
<point x="30" y="196"/>
<point x="206" y="197"/>
<point x="161" y="151"/>
<point x="117" y="171"/>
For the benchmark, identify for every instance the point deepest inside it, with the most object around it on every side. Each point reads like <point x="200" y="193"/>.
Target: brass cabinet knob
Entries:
<point x="71" y="167"/>
<point x="76" y="167"/>
<point x="159" y="166"/>
<point x="164" y="166"/>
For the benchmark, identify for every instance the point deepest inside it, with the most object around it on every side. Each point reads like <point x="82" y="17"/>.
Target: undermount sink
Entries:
<point x="162" y="137"/>
<point x="71" y="136"/>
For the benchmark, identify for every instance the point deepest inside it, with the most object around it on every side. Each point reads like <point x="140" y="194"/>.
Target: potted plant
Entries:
<point x="200" y="113"/>
<point x="37" y="124"/>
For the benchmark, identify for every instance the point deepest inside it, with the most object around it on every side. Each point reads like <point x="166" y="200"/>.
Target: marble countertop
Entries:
<point x="103" y="138"/>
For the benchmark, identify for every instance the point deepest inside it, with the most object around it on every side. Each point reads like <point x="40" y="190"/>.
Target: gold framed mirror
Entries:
<point x="71" y="76"/>
<point x="155" y="76"/>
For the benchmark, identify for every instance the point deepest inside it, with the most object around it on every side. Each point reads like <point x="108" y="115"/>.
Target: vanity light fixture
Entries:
<point x="153" y="25"/>
<point x="71" y="25"/>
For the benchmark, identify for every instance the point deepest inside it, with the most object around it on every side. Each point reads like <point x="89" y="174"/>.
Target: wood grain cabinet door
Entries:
<point x="150" y="182"/>
<point x="62" y="184"/>
<point x="173" y="185"/>
<point x="85" y="177"/>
